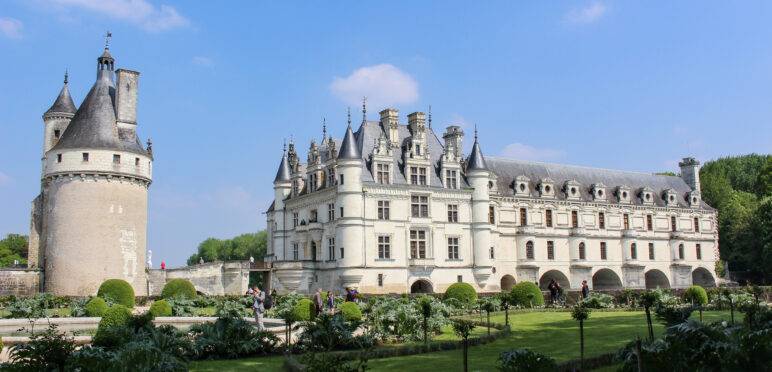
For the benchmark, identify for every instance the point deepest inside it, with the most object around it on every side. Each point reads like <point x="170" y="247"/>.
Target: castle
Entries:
<point x="90" y="220"/>
<point x="391" y="209"/>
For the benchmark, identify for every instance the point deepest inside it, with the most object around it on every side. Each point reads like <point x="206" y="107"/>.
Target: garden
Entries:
<point x="717" y="329"/>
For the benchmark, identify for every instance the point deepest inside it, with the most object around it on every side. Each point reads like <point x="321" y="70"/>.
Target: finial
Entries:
<point x="324" y="128"/>
<point x="107" y="40"/>
<point x="149" y="146"/>
<point x="349" y="116"/>
<point x="291" y="142"/>
<point x="364" y="109"/>
<point x="285" y="146"/>
<point x="430" y="116"/>
<point x="475" y="132"/>
<point x="66" y="73"/>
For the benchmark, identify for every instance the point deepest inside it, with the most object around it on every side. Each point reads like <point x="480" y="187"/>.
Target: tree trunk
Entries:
<point x="648" y="323"/>
<point x="506" y="315"/>
<point x="426" y="339"/>
<point x="700" y="315"/>
<point x="731" y="310"/>
<point x="488" y="315"/>
<point x="638" y="352"/>
<point x="581" y="345"/>
<point x="465" y="359"/>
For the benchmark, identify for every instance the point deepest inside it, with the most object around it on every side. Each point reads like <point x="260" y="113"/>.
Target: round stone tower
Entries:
<point x="94" y="191"/>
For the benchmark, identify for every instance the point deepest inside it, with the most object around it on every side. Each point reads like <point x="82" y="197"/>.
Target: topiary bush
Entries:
<point x="160" y="308"/>
<point x="178" y="286"/>
<point x="115" y="316"/>
<point x="305" y="310"/>
<point x="521" y="291"/>
<point x="350" y="311"/>
<point x="462" y="292"/>
<point x="96" y="307"/>
<point x="696" y="295"/>
<point x="118" y="290"/>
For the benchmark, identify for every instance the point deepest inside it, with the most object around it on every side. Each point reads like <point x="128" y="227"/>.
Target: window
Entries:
<point x="413" y="175"/>
<point x="491" y="215"/>
<point x="418" y="176"/>
<point x="294" y="220"/>
<point x="312" y="182"/>
<point x="380" y="280"/>
<point x="492" y="253"/>
<point x="136" y="162"/>
<point x="452" y="212"/>
<point x="295" y="251"/>
<point x="548" y="217"/>
<point x="460" y="278"/>
<point x="384" y="247"/>
<point x="699" y="251"/>
<point x="601" y="220"/>
<point x="417" y="244"/>
<point x="574" y="219"/>
<point x="382" y="174"/>
<point x="341" y="212"/>
<point x="331" y="246"/>
<point x="330" y="212"/>
<point x="58" y="158"/>
<point x="651" y="251"/>
<point x="422" y="176"/>
<point x="383" y="210"/>
<point x="633" y="251"/>
<point x="57" y="133"/>
<point x="550" y="250"/>
<point x="85" y="156"/>
<point x="602" y="250"/>
<point x="341" y="252"/>
<point x="681" y="251"/>
<point x="341" y="179"/>
<point x="626" y="221"/>
<point x="419" y="206"/>
<point x="649" y="223"/>
<point x="529" y="250"/>
<point x="523" y="217"/>
<point x="451" y="179"/>
<point x="673" y="226"/>
<point x="314" y="216"/>
<point x="582" y="251"/>
<point x="116" y="159"/>
<point x="294" y="187"/>
<point x="330" y="177"/>
<point x="453" y="248"/>
<point x="696" y="224"/>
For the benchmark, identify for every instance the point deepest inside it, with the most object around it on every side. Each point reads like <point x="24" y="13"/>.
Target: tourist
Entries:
<point x="201" y="261"/>
<point x="251" y="262"/>
<point x="163" y="265"/>
<point x="258" y="308"/>
<point x="318" y="300"/>
<point x="349" y="295"/>
<point x="585" y="289"/>
<point x="250" y="292"/>
<point x="559" y="291"/>
<point x="553" y="290"/>
<point x="330" y="303"/>
<point x="274" y="294"/>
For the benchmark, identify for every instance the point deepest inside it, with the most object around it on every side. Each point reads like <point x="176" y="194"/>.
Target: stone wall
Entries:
<point x="214" y="278"/>
<point x="20" y="282"/>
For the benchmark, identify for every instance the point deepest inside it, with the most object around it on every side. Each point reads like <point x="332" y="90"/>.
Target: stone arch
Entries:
<point x="656" y="279"/>
<point x="421" y="286"/>
<point x="606" y="279"/>
<point x="559" y="277"/>
<point x="507" y="282"/>
<point x="703" y="278"/>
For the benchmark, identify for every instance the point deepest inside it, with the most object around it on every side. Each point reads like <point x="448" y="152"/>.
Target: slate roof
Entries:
<point x="349" y="149"/>
<point x="283" y="174"/>
<point x="476" y="161"/>
<point x="63" y="103"/>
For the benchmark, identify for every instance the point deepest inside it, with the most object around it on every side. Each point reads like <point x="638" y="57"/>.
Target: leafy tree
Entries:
<point x="238" y="248"/>
<point x="426" y="311"/>
<point x="13" y="247"/>
<point x="463" y="328"/>
<point x="764" y="180"/>
<point x="580" y="314"/>
<point x="762" y="233"/>
<point x="671" y="174"/>
<point x="649" y="299"/>
<point x="489" y="306"/>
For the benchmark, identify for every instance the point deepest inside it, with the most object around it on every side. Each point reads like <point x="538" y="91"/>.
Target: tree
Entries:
<point x="426" y="312"/>
<point x="728" y="294"/>
<point x="762" y="232"/>
<point x="13" y="247"/>
<point x="489" y="307"/>
<point x="463" y="328"/>
<point x="581" y="313"/>
<point x="671" y="174"/>
<point x="649" y="299"/>
<point x="239" y="248"/>
<point x="764" y="180"/>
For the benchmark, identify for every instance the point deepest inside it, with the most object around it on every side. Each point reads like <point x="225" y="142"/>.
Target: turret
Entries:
<point x="58" y="117"/>
<point x="478" y="175"/>
<point x="349" y="238"/>
<point x="281" y="191"/>
<point x="690" y="172"/>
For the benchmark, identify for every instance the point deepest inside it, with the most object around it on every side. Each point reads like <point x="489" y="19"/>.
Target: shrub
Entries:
<point x="178" y="286"/>
<point x="521" y="291"/>
<point x="118" y="290"/>
<point x="115" y="316"/>
<point x="181" y="305"/>
<point x="305" y="310"/>
<point x="161" y="308"/>
<point x="525" y="360"/>
<point x="96" y="307"/>
<point x="350" y="311"/>
<point x="46" y="351"/>
<point x="696" y="295"/>
<point x="462" y="292"/>
<point x="231" y="337"/>
<point x="597" y="300"/>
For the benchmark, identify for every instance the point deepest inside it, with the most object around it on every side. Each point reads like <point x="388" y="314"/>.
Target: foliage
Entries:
<point x="238" y="248"/>
<point x="47" y="351"/>
<point x="580" y="313"/>
<point x="520" y="294"/>
<point x="119" y="290"/>
<point x="463" y="292"/>
<point x="696" y="295"/>
<point x="78" y="306"/>
<point x="720" y="268"/>
<point x="178" y="287"/>
<point x="350" y="311"/>
<point x="597" y="300"/>
<point x="115" y="316"/>
<point x="524" y="360"/>
<point x="674" y="315"/>
<point x="13" y="247"/>
<point x="402" y="319"/>
<point x="237" y="306"/>
<point x="96" y="307"/>
<point x="331" y="332"/>
<point x="462" y="328"/>
<point x="160" y="308"/>
<point x="305" y="310"/>
<point x="182" y="305"/>
<point x="231" y="337"/>
<point x="324" y="362"/>
<point x="284" y="303"/>
<point x="25" y="308"/>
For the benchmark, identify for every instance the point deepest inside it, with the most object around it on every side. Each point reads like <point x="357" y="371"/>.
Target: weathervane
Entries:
<point x="475" y="132"/>
<point x="430" y="116"/>
<point x="107" y="39"/>
<point x="349" y="116"/>
<point x="364" y="109"/>
<point x="66" y="73"/>
<point x="324" y="129"/>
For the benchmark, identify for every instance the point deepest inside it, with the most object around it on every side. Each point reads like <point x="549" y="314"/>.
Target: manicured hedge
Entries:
<point x="96" y="307"/>
<point x="461" y="291"/>
<point x="160" y="308"/>
<point x="119" y="290"/>
<point x="178" y="286"/>
<point x="696" y="294"/>
<point x="305" y="310"/>
<point x="115" y="316"/>
<point x="520" y="294"/>
<point x="350" y="311"/>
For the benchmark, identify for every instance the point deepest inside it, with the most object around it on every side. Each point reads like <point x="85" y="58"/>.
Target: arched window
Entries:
<point x="681" y="251"/>
<point x="582" y="253"/>
<point x="633" y="251"/>
<point x="529" y="250"/>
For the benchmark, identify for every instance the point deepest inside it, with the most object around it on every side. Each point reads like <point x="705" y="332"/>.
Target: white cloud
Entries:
<point x="4" y="180"/>
<point x="11" y="28"/>
<point x="203" y="61"/>
<point x="587" y="14"/>
<point x="139" y="12"/>
<point x="383" y="85"/>
<point x="525" y="152"/>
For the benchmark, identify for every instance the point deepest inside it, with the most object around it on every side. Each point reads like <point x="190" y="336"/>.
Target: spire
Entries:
<point x="364" y="109"/>
<point x="324" y="130"/>
<point x="349" y="148"/>
<point x="283" y="174"/>
<point x="476" y="161"/>
<point x="105" y="62"/>
<point x="63" y="103"/>
<point x="66" y="73"/>
<point x="349" y="116"/>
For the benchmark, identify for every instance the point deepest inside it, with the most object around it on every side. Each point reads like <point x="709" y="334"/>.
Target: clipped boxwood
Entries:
<point x="178" y="286"/>
<point x="96" y="307"/>
<point x="696" y="294"/>
<point x="160" y="308"/>
<point x="305" y="310"/>
<point x="520" y="294"/>
<point x="115" y="316"/>
<point x="118" y="290"/>
<point x="350" y="311"/>
<point x="463" y="292"/>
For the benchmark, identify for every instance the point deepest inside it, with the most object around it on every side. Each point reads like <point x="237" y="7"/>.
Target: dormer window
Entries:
<point x="572" y="190"/>
<point x="694" y="199"/>
<point x="546" y="188"/>
<point x="646" y="195"/>
<point x="599" y="191"/>
<point x="85" y="156"/>
<point x="670" y="197"/>
<point x="418" y="176"/>
<point x="382" y="174"/>
<point x="623" y="193"/>
<point x="57" y="133"/>
<point x="451" y="179"/>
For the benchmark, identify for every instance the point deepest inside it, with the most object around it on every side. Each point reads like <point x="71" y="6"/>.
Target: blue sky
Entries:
<point x="632" y="85"/>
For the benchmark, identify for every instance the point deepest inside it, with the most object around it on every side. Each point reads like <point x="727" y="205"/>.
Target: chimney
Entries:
<point x="690" y="172"/>
<point x="417" y="123"/>
<point x="389" y="119"/>
<point x="126" y="96"/>
<point x="453" y="138"/>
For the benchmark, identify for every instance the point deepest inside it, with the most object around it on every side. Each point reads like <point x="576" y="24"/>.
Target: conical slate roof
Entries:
<point x="63" y="103"/>
<point x="283" y="174"/>
<point x="476" y="161"/>
<point x="349" y="148"/>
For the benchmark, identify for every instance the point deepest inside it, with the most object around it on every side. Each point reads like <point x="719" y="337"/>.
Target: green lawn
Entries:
<point x="552" y="333"/>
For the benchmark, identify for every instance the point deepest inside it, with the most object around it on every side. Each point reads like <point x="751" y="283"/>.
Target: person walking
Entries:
<point x="349" y="295"/>
<point x="559" y="292"/>
<point x="251" y="262"/>
<point x="201" y="261"/>
<point x="553" y="290"/>
<point x="258" y="308"/>
<point x="585" y="289"/>
<point x="318" y="300"/>
<point x="163" y="265"/>
<point x="330" y="303"/>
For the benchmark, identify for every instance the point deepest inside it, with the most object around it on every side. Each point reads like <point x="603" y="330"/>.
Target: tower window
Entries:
<point x="58" y="158"/>
<point x="295" y="251"/>
<point x="57" y="133"/>
<point x="341" y="179"/>
<point x="523" y="217"/>
<point x="491" y="214"/>
<point x="550" y="250"/>
<point x="651" y="251"/>
<point x="453" y="248"/>
<point x="673" y="226"/>
<point x="85" y="156"/>
<point x="699" y="251"/>
<point x="492" y="253"/>
<point x="460" y="278"/>
<point x="529" y="250"/>
<point x="626" y="220"/>
<point x="574" y="219"/>
<point x="341" y="212"/>
<point x="603" y="250"/>
<point x="341" y="252"/>
<point x="696" y="224"/>
<point x="548" y="217"/>
<point x="116" y="159"/>
<point x="383" y="209"/>
<point x="681" y="251"/>
<point x="601" y="220"/>
<point x="634" y="251"/>
<point x="453" y="213"/>
<point x="136" y="162"/>
<point x="649" y="223"/>
<point x="582" y="251"/>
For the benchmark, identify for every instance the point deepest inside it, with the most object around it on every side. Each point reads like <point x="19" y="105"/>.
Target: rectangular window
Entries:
<point x="341" y="179"/>
<point x="330" y="212"/>
<point x="330" y="177"/>
<point x="453" y="213"/>
<point x="634" y="251"/>
<point x="314" y="216"/>
<point x="419" y="206"/>
<point x="699" y="251"/>
<point x="492" y="253"/>
<point x="341" y="252"/>
<point x="649" y="223"/>
<point x="295" y="251"/>
<point x="651" y="251"/>
<point x="451" y="179"/>
<point x="550" y="250"/>
<point x="57" y="133"/>
<point x="673" y="226"/>
<point x="85" y="156"/>
<point x="384" y="247"/>
<point x="582" y="251"/>
<point x="380" y="280"/>
<point x="696" y="224"/>
<point x="136" y="162"/>
<point x="460" y="278"/>
<point x="331" y="245"/>
<point x="491" y="215"/>
<point x="453" y="248"/>
<point x="523" y="217"/>
<point x="341" y="212"/>
<point x="574" y="219"/>
<point x="58" y="158"/>
<point x="601" y="220"/>
<point x="548" y="217"/>
<point x="294" y="220"/>
<point x="382" y="174"/>
<point x="602" y="250"/>
<point x="413" y="175"/>
<point x="294" y="187"/>
<point x="626" y="221"/>
<point x="422" y="176"/>
<point x="116" y="159"/>
<point x="383" y="210"/>
<point x="417" y="244"/>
